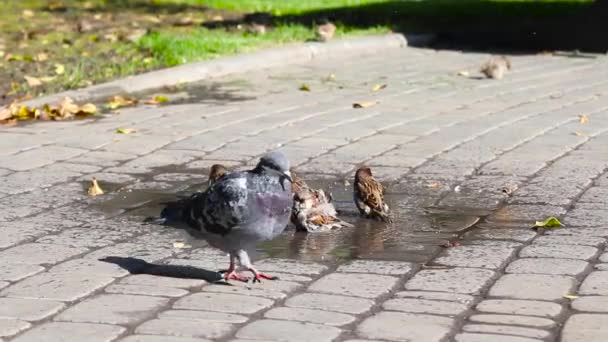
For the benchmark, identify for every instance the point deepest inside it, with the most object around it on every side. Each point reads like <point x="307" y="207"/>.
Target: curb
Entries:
<point x="198" y="71"/>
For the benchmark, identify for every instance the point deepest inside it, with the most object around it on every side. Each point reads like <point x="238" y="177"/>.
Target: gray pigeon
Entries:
<point x="239" y="210"/>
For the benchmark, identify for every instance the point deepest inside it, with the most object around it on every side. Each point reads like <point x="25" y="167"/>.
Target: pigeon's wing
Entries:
<point x="225" y="204"/>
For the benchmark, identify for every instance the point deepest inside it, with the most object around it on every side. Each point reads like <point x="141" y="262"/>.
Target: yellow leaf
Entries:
<point x="95" y="189"/>
<point x="578" y="134"/>
<point x="584" y="119"/>
<point x="27" y="13"/>
<point x="119" y="101"/>
<point x="364" y="104"/>
<point x="32" y="81"/>
<point x="571" y="297"/>
<point x="125" y="130"/>
<point x="304" y="87"/>
<point x="59" y="69"/>
<point x="178" y="244"/>
<point x="88" y="108"/>
<point x="463" y="73"/>
<point x="47" y="79"/>
<point x="378" y="87"/>
<point x="41" y="57"/>
<point x="158" y="99"/>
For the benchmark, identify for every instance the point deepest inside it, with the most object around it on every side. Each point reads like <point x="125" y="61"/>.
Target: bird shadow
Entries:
<point x="139" y="266"/>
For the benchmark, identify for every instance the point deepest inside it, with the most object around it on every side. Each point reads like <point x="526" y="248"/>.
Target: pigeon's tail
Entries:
<point x="183" y="210"/>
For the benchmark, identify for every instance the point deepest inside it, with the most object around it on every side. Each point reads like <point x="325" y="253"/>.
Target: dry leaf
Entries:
<point x="434" y="185"/>
<point x="463" y="73"/>
<point x="41" y="57"/>
<point x="95" y="189"/>
<point x="27" y="13"/>
<point x="584" y="119"/>
<point x="119" y="101"/>
<point x="135" y="35"/>
<point x="32" y="81"/>
<point x="179" y="244"/>
<point x="378" y="87"/>
<point x="579" y="134"/>
<point x="67" y="109"/>
<point x="59" y="69"/>
<point x="156" y="100"/>
<point x="364" y="104"/>
<point x="571" y="297"/>
<point x="125" y="130"/>
<point x="304" y="87"/>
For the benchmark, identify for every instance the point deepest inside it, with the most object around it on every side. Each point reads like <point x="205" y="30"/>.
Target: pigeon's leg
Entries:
<point x="245" y="262"/>
<point x="230" y="273"/>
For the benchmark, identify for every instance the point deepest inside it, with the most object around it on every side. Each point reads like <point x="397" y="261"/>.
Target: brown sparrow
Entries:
<point x="325" y="31"/>
<point x="496" y="67"/>
<point x="369" y="195"/>
<point x="216" y="172"/>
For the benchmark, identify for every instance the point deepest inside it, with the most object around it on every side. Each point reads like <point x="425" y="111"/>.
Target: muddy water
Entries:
<point x="415" y="235"/>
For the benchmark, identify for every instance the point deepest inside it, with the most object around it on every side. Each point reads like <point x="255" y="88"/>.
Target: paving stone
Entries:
<point x="358" y="285"/>
<point x="185" y="328"/>
<point x="525" y="213"/>
<point x="276" y="289"/>
<point x="350" y="305"/>
<point x="28" y="309"/>
<point x="446" y="296"/>
<point x="146" y="290"/>
<point x="10" y="327"/>
<point x="63" y="331"/>
<point x="57" y="286"/>
<point x="585" y="328"/>
<point x="506" y="330"/>
<point x="396" y="268"/>
<point x="147" y="279"/>
<point x="157" y="338"/>
<point x="223" y="302"/>
<point x="603" y="257"/>
<point x="310" y="315"/>
<point x="470" y="337"/>
<point x="3" y="284"/>
<point x="203" y="315"/>
<point x="89" y="266"/>
<point x="38" y="157"/>
<point x="521" y="235"/>
<point x="536" y="322"/>
<point x="547" y="266"/>
<point x="85" y="237"/>
<point x="289" y="266"/>
<point x="15" y="272"/>
<point x="596" y="283"/>
<point x="558" y="251"/>
<point x="491" y="257"/>
<point x="520" y="307"/>
<point x="538" y="286"/>
<point x="113" y="309"/>
<point x="277" y="330"/>
<point x="582" y="217"/>
<point x="591" y="304"/>
<point x="455" y="280"/>
<point x="39" y="253"/>
<point x="425" y="306"/>
<point x="570" y="240"/>
<point x="399" y="326"/>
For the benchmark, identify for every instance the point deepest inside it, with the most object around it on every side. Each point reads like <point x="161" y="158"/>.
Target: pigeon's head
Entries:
<point x="275" y="162"/>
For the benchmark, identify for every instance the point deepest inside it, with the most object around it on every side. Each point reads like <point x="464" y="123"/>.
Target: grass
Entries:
<point x="66" y="44"/>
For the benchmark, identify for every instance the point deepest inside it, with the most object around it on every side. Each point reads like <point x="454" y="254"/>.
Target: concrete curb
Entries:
<point x="193" y="72"/>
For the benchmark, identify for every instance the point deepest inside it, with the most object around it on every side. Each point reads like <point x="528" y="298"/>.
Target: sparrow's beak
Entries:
<point x="288" y="176"/>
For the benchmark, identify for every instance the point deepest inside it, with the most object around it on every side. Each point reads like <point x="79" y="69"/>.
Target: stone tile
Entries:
<point x="536" y="322"/>
<point x="491" y="257"/>
<point x="38" y="157"/>
<point x="516" y="234"/>
<point x="3" y="284"/>
<point x="446" y="296"/>
<point x="520" y="307"/>
<point x="596" y="283"/>
<point x="538" y="286"/>
<point x="585" y="328"/>
<point x="211" y="316"/>
<point x="39" y="253"/>
<point x="399" y="326"/>
<point x="113" y="309"/>
<point x="223" y="302"/>
<point x="591" y="304"/>
<point x="455" y="280"/>
<point x="525" y="213"/>
<point x="395" y="268"/>
<point x="63" y="331"/>
<point x="88" y="266"/>
<point x="290" y="266"/>
<point x="146" y="279"/>
<point x="358" y="285"/>
<point x="276" y="330"/>
<point x="506" y="330"/>
<point x="310" y="316"/>
<point x="350" y="305"/>
<point x="185" y="328"/>
<point x="57" y="286"/>
<point x="558" y="251"/>
<point x="570" y="240"/>
<point x="146" y="290"/>
<point x="470" y="337"/>
<point x="15" y="272"/>
<point x="157" y="338"/>
<point x="28" y="309"/>
<point x="425" y="306"/>
<point x="10" y="327"/>
<point x="547" y="266"/>
<point x="276" y="289"/>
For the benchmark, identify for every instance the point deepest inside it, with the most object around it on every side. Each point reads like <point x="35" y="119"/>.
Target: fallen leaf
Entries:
<point x="364" y="104"/>
<point x="59" y="69"/>
<point x="32" y="81"/>
<point x="551" y="222"/>
<point x="156" y="100"/>
<point x="27" y="13"/>
<point x="304" y="87"/>
<point x="67" y="109"/>
<point x="87" y="108"/>
<point x="8" y="122"/>
<point x="378" y="87"/>
<point x="330" y="77"/>
<point x="463" y="73"/>
<point x="119" y="101"/>
<point x="571" y="297"/>
<point x="95" y="189"/>
<point x="41" y="57"/>
<point x="47" y="79"/>
<point x="135" y="35"/>
<point x="125" y="130"/>
<point x="584" y="119"/>
<point x="179" y="245"/>
<point x="579" y="134"/>
<point x="434" y="185"/>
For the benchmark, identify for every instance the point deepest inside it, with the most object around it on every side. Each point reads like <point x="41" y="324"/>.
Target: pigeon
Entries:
<point x="312" y="209"/>
<point x="239" y="210"/>
<point x="496" y="67"/>
<point x="369" y="196"/>
<point x="216" y="172"/>
<point x="325" y="31"/>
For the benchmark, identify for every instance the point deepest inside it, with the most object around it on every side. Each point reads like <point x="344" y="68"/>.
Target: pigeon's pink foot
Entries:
<point x="233" y="275"/>
<point x="258" y="276"/>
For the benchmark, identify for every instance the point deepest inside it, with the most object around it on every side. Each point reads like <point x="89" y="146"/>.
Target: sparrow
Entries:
<point x="369" y="195"/>
<point x="496" y="67"/>
<point x="325" y="31"/>
<point x="216" y="172"/>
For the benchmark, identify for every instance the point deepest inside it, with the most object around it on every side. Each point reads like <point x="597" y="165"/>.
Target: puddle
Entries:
<point x="415" y="235"/>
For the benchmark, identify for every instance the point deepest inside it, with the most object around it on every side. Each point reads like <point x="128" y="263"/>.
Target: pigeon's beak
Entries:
<point x="288" y="176"/>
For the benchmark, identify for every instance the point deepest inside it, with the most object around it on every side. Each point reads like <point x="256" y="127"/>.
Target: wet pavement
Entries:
<point x="464" y="159"/>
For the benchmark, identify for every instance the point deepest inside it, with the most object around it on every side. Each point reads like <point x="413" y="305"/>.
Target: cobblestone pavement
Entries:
<point x="439" y="140"/>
